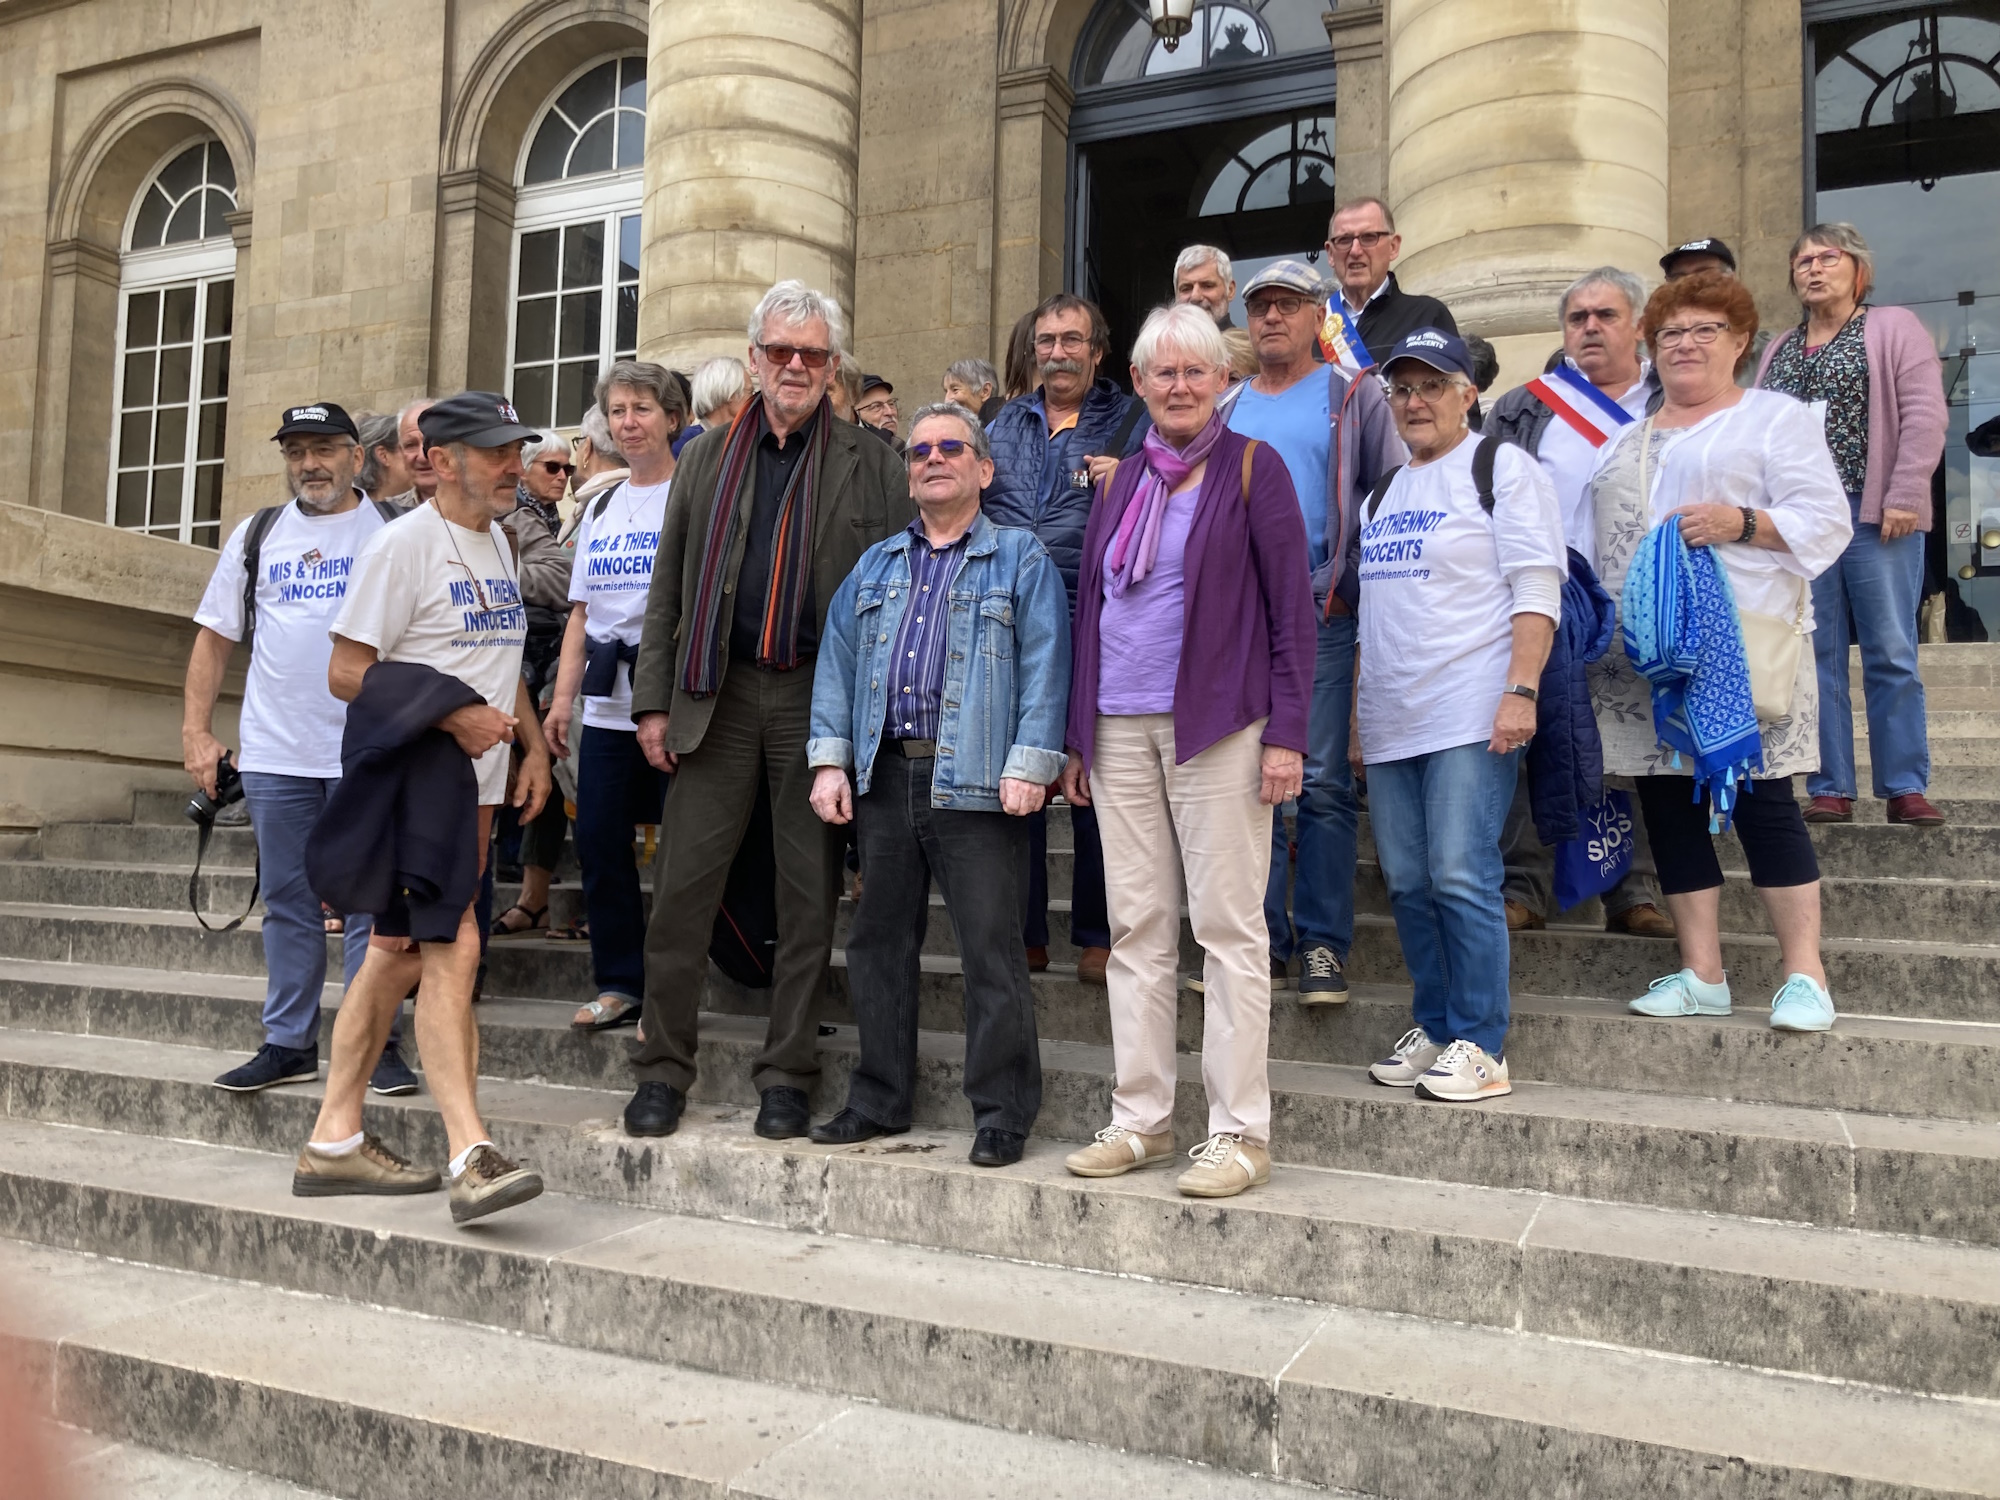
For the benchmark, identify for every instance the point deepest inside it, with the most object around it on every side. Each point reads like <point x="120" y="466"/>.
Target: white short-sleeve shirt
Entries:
<point x="611" y="578"/>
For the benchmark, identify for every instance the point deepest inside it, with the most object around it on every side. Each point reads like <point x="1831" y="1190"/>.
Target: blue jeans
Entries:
<point x="615" y="791"/>
<point x="283" y="810"/>
<point x="1437" y="824"/>
<point x="1089" y="922"/>
<point x="1323" y="893"/>
<point x="1882" y="583"/>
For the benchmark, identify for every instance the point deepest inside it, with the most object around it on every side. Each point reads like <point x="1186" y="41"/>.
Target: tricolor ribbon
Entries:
<point x="1594" y="415"/>
<point x="1340" y="340"/>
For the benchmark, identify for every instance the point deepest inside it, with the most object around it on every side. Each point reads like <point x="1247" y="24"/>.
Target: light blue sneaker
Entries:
<point x="1801" y="1006"/>
<point x="1683" y="994"/>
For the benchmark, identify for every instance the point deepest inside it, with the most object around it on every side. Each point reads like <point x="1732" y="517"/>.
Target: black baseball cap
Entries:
<point x="875" y="383"/>
<point x="1710" y="246"/>
<point x="322" y="418"/>
<point x="1436" y="348"/>
<point x="485" y="419"/>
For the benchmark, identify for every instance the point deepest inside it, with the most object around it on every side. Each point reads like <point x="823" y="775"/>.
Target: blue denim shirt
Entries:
<point x="1006" y="673"/>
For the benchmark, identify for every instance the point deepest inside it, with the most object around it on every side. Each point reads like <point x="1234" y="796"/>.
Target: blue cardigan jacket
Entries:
<point x="1566" y="757"/>
<point x="1020" y="439"/>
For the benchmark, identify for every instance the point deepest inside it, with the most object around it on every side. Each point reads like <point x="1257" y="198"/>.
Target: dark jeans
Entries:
<point x="616" y="790"/>
<point x="975" y="858"/>
<point x="757" y="731"/>
<point x="1768" y="825"/>
<point x="1089" y="921"/>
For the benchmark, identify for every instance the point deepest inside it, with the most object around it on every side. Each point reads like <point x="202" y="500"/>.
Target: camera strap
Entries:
<point x="194" y="883"/>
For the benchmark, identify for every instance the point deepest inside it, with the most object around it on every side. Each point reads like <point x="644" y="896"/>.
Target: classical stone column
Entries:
<point x="752" y="125"/>
<point x="1527" y="143"/>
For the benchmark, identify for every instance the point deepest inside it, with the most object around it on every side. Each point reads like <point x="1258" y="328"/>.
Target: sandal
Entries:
<point x="536" y="916"/>
<point x="571" y="932"/>
<point x="605" y="1012"/>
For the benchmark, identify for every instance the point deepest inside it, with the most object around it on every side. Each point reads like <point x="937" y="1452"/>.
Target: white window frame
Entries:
<point x="202" y="264"/>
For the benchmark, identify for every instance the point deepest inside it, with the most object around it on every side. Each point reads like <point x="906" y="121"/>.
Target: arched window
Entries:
<point x="576" y="241"/>
<point x="1287" y="164"/>
<point x="176" y="280"/>
<point x="1121" y="47"/>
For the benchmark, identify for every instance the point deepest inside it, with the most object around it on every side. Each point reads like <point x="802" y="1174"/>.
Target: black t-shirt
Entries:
<point x="770" y="473"/>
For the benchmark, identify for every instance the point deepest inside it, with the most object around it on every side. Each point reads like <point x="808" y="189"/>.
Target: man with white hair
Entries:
<point x="763" y="526"/>
<point x="1204" y="276"/>
<point x="416" y="462"/>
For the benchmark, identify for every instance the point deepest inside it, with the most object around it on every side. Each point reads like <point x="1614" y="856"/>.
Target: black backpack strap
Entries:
<point x="603" y="500"/>
<point x="1482" y="468"/>
<point x="385" y="510"/>
<point x="1116" y="448"/>
<point x="1382" y="482"/>
<point x="254" y="532"/>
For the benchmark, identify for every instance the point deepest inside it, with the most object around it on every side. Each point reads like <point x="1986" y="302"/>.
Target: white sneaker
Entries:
<point x="1464" y="1071"/>
<point x="1412" y="1058"/>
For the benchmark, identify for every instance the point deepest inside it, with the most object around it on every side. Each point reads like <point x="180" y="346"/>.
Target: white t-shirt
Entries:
<point x="291" y="723"/>
<point x="1436" y="606"/>
<point x="430" y="592"/>
<point x="1570" y="460"/>
<point x="611" y="576"/>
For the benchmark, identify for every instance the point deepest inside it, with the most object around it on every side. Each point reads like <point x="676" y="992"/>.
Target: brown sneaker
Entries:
<point x="1038" y="960"/>
<point x="1520" y="919"/>
<point x="490" y="1183"/>
<point x="370" y="1168"/>
<point x="1915" y="809"/>
<point x="1117" y="1151"/>
<point x="1830" y="810"/>
<point x="1224" y="1165"/>
<point x="1090" y="965"/>
<point x="1643" y="920"/>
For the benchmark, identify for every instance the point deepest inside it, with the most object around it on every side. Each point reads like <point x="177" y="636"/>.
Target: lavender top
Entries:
<point x="1139" y="633"/>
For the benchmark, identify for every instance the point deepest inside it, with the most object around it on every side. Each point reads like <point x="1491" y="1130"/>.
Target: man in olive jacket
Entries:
<point x="766" y="519"/>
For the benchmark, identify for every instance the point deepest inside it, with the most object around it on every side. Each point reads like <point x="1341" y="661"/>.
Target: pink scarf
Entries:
<point x="1135" y="546"/>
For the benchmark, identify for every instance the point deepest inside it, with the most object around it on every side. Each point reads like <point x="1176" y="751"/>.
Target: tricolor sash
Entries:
<point x="1340" y="339"/>
<point x="1594" y="415"/>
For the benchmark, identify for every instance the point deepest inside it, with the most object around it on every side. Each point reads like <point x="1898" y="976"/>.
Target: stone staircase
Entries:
<point x="1686" y="1259"/>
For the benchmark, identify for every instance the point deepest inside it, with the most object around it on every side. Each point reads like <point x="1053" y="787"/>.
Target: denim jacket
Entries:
<point x="1006" y="670"/>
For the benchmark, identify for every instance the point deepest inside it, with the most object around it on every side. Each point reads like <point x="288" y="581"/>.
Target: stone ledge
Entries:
<point x="49" y="552"/>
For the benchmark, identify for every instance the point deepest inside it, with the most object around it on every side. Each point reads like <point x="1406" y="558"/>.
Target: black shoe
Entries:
<point x="994" y="1147"/>
<point x="784" y="1113"/>
<point x="392" y="1077"/>
<point x="1321" y="981"/>
<point x="849" y="1128"/>
<point x="272" y="1065"/>
<point x="654" y="1110"/>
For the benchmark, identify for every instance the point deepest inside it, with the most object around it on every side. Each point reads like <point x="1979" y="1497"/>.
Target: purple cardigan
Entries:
<point x="1906" y="412"/>
<point x="1248" y="648"/>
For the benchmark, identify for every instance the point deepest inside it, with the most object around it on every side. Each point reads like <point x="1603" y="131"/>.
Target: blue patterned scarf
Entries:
<point x="1681" y="632"/>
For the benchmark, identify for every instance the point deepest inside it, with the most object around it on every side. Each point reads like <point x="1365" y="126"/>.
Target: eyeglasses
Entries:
<point x="1285" y="307"/>
<point x="1368" y="239"/>
<point x="1818" y="260"/>
<point x="1167" y="379"/>
<point x="878" y="408"/>
<point x="782" y="355"/>
<point x="949" y="447"/>
<point x="1701" y="333"/>
<point x="550" y="467"/>
<point x="1046" y="342"/>
<point x="1431" y="389"/>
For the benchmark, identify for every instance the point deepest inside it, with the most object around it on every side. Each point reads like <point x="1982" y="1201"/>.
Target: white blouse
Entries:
<point x="1767" y="452"/>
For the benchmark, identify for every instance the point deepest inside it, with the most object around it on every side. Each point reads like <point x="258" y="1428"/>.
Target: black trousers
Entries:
<point x="976" y="859"/>
<point x="1768" y="824"/>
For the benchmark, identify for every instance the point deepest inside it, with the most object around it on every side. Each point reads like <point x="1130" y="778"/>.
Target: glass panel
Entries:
<point x="1270" y="188"/>
<point x="631" y="139"/>
<point x="184" y="173"/>
<point x="574" y="386"/>
<point x="131" y="509"/>
<point x="1234" y="36"/>
<point x="535" y="329"/>
<point x="208" y="493"/>
<point x="221" y="304"/>
<point x="214" y="422"/>
<point x="139" y="379"/>
<point x="135" y="437"/>
<point x="142" y="320"/>
<point x="1120" y="47"/>
<point x="533" y="389"/>
<point x="185" y="226"/>
<point x="590" y="95"/>
<point x="214" y="370"/>
<point x="593" y="151"/>
<point x="550" y="151"/>
<point x="209" y="536"/>
<point x="214" y="206"/>
<point x="170" y="432"/>
<point x="628" y="248"/>
<point x="628" y="322"/>
<point x="166" y="507"/>
<point x="632" y="88"/>
<point x="538" y="262"/>
<point x="177" y="315"/>
<point x="582" y="323"/>
<point x="221" y="170"/>
<point x="583" y="254"/>
<point x="150" y="225"/>
<point x="174" y="366"/>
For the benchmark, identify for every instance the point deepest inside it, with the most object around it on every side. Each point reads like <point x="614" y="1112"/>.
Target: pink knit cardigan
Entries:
<point x="1906" y="412"/>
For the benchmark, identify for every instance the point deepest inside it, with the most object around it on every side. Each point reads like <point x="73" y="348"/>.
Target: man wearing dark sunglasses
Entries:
<point x="768" y="516"/>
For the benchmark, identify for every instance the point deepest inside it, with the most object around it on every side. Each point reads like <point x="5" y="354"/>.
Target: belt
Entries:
<point x="914" y="749"/>
<point x="1335" y="605"/>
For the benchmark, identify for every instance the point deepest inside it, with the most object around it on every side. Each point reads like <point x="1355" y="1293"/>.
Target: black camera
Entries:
<point x="202" y="808"/>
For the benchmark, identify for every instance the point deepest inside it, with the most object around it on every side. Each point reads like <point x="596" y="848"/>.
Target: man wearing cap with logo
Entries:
<point x="439" y="589"/>
<point x="876" y="408"/>
<point x="302" y="556"/>
<point x="1332" y="428"/>
<point x="1565" y="418"/>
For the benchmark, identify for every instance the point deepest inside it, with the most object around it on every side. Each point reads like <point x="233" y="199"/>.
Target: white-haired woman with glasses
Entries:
<point x="1871" y="377"/>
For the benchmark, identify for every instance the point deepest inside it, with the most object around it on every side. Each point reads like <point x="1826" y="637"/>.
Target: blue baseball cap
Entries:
<point x="1436" y="348"/>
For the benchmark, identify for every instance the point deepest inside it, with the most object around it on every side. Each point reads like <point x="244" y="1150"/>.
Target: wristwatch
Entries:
<point x="1521" y="690"/>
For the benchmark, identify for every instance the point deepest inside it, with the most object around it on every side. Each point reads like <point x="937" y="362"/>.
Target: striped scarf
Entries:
<point x="791" y="554"/>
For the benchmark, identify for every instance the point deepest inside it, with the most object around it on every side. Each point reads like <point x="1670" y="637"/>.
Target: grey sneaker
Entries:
<point x="1321" y="979"/>
<point x="490" y="1183"/>
<point x="370" y="1168"/>
<point x="1412" y="1059"/>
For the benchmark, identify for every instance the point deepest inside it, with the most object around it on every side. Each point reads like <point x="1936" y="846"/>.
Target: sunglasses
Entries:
<point x="949" y="447"/>
<point x="783" y="354"/>
<point x="550" y="466"/>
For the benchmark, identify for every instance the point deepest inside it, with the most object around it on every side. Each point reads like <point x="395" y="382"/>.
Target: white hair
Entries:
<point x="794" y="302"/>
<point x="974" y="433"/>
<point x="1185" y="327"/>
<point x="1628" y="285"/>
<point x="1201" y="255"/>
<point x="716" y="381"/>
<point x="543" y="440"/>
<point x="598" y="430"/>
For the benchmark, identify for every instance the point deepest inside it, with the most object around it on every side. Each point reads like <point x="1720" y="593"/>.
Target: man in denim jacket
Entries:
<point x="941" y="688"/>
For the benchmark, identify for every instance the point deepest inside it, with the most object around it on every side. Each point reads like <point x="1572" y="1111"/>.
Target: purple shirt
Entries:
<point x="1139" y="640"/>
<point x="916" y="672"/>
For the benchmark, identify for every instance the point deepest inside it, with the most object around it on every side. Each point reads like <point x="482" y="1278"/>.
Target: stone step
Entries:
<point x="101" y="1468"/>
<point x="1028" y="1345"/>
<point x="1832" y="1168"/>
<point x="328" y="1392"/>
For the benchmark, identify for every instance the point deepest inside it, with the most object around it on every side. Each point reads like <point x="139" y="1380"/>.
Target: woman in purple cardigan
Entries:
<point x="1192" y="678"/>
<point x="1872" y="374"/>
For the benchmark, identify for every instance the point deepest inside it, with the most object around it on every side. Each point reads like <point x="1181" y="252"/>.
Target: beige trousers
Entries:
<point x="1158" y="821"/>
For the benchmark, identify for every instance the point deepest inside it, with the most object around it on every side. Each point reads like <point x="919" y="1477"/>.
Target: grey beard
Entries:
<point x="313" y="508"/>
<point x="1061" y="367"/>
